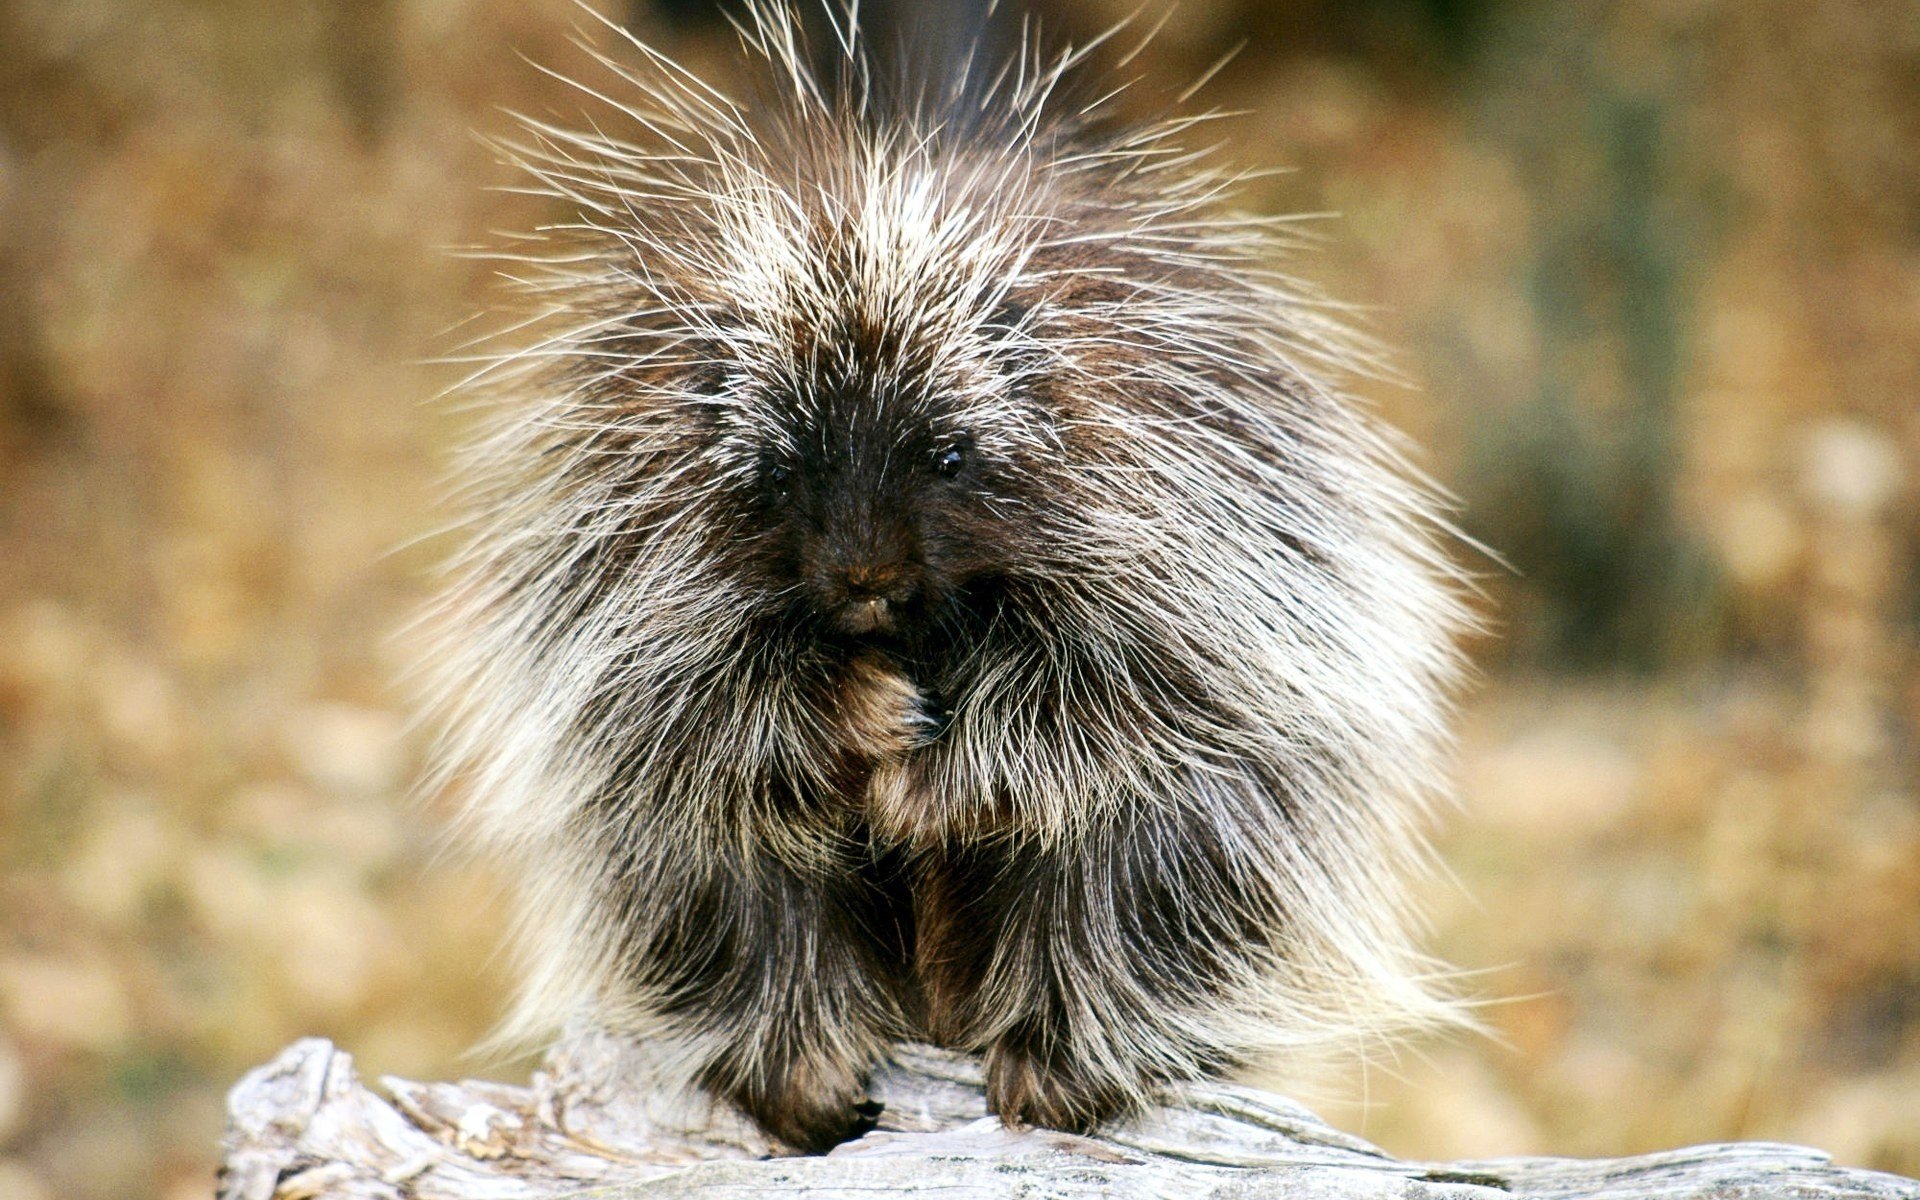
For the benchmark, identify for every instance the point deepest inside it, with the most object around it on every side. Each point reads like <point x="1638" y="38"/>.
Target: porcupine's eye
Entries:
<point x="950" y="460"/>
<point x="777" y="476"/>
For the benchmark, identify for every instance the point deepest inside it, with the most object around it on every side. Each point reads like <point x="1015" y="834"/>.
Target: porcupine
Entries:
<point x="929" y="584"/>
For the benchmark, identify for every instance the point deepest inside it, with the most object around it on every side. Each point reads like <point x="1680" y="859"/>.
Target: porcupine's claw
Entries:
<point x="929" y="719"/>
<point x="820" y="1131"/>
<point x="809" y="1122"/>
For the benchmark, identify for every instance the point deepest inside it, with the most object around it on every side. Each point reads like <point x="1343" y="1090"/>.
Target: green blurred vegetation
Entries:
<point x="1655" y="262"/>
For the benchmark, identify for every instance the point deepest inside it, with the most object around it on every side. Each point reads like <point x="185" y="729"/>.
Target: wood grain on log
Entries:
<point x="598" y="1121"/>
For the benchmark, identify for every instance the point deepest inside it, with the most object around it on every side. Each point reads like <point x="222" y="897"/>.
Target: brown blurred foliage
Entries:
<point x="1655" y="262"/>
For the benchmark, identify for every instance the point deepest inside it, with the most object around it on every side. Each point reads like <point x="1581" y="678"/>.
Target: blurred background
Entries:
<point x="1654" y="263"/>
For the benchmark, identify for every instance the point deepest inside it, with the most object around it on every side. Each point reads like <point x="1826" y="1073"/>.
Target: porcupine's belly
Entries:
<point x="888" y="720"/>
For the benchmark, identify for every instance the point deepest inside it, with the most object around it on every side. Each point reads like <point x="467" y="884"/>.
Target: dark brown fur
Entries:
<point x="994" y="637"/>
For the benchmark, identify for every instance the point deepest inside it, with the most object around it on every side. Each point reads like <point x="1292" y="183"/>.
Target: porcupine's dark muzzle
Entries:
<point x="865" y="575"/>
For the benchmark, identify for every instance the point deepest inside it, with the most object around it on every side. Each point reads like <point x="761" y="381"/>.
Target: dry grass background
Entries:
<point x="1656" y="262"/>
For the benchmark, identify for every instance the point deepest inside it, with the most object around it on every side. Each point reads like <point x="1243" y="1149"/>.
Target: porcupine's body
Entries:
<point x="925" y="593"/>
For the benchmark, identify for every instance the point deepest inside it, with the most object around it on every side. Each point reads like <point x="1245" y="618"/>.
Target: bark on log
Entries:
<point x="597" y="1121"/>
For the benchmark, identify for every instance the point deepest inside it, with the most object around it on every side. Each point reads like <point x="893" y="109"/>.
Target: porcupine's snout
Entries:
<point x="866" y="575"/>
<point x="874" y="597"/>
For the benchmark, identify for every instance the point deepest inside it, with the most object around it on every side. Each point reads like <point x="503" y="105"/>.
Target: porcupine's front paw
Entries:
<point x="809" y="1109"/>
<point x="888" y="719"/>
<point x="1034" y="1080"/>
<point x="883" y="714"/>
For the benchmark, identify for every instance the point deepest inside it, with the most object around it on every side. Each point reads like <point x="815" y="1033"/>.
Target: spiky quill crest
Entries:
<point x="1164" y="824"/>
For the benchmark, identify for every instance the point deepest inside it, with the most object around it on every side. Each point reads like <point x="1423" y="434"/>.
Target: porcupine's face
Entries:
<point x="873" y="381"/>
<point x="875" y="509"/>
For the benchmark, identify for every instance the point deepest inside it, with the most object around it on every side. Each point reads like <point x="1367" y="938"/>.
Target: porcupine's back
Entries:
<point x="1217" y="566"/>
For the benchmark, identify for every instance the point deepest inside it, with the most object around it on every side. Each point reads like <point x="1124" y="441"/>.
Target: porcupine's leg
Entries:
<point x="788" y="984"/>
<point x="1092" y="971"/>
<point x="789" y="970"/>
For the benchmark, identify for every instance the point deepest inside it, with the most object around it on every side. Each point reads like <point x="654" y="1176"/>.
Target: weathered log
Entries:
<point x="597" y="1121"/>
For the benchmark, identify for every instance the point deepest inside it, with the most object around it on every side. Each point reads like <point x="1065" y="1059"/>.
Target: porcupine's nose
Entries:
<point x="870" y="581"/>
<point x="863" y="560"/>
<point x="873" y="595"/>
